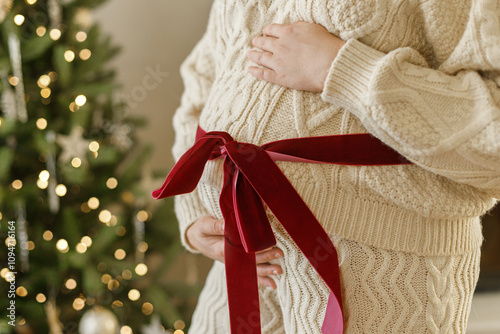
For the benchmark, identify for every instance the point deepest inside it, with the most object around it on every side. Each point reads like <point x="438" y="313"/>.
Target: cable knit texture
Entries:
<point x="422" y="76"/>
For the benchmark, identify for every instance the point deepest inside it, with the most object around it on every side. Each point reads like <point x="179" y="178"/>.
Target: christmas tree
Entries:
<point x="78" y="223"/>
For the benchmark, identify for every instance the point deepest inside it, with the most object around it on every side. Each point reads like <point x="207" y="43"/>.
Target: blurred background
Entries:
<point x="88" y="89"/>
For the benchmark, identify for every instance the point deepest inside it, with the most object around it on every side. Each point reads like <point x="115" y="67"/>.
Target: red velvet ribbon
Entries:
<point x="252" y="179"/>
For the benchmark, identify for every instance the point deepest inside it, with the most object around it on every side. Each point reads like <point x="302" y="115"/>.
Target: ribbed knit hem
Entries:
<point x="390" y="227"/>
<point x="188" y="208"/>
<point x="349" y="76"/>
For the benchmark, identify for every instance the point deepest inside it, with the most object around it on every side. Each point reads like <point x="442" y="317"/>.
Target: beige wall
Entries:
<point x="153" y="34"/>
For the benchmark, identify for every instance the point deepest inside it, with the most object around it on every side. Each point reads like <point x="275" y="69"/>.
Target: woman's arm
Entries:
<point x="198" y="72"/>
<point x="447" y="124"/>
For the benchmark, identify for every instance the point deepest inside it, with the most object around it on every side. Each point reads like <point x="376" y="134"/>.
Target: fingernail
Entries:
<point x="277" y="254"/>
<point x="275" y="272"/>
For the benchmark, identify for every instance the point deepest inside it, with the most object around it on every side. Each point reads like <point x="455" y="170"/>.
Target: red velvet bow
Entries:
<point x="251" y="178"/>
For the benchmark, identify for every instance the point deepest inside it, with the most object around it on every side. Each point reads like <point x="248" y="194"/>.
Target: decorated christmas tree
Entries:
<point x="78" y="225"/>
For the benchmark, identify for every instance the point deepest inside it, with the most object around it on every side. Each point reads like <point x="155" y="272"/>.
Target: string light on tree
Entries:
<point x="13" y="80"/>
<point x="141" y="269"/>
<point x="47" y="235"/>
<point x="120" y="254"/>
<point x="80" y="100"/>
<point x="70" y="284"/>
<point x="85" y="54"/>
<point x="105" y="216"/>
<point x="76" y="162"/>
<point x="40" y="297"/>
<point x="112" y="183"/>
<point x="55" y="34"/>
<point x="69" y="56"/>
<point x="19" y="19"/>
<point x="62" y="246"/>
<point x="87" y="241"/>
<point x="40" y="31"/>
<point x="61" y="190"/>
<point x="81" y="36"/>
<point x="134" y="295"/>
<point x="45" y="93"/>
<point x="78" y="304"/>
<point x="17" y="184"/>
<point x="21" y="291"/>
<point x="41" y="123"/>
<point x="81" y="248"/>
<point x="43" y="81"/>
<point x="30" y="2"/>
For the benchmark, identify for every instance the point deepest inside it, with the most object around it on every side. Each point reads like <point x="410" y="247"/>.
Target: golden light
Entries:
<point x="53" y="76"/>
<point x="21" y="291"/>
<point x="45" y="92"/>
<point x="85" y="208"/>
<point x="142" y="216"/>
<point x="30" y="2"/>
<point x="1" y="216"/>
<point x="41" y="298"/>
<point x="141" y="269"/>
<point x="10" y="241"/>
<point x="55" y="34"/>
<point x="125" y="330"/>
<point x="18" y="19"/>
<point x="61" y="190"/>
<point x="94" y="146"/>
<point x="69" y="56"/>
<point x="81" y="248"/>
<point x="120" y="231"/>
<point x="81" y="36"/>
<point x="80" y="100"/>
<point x="147" y="308"/>
<point x="62" y="245"/>
<point x="76" y="162"/>
<point x="14" y="81"/>
<point x="1" y="120"/>
<point x="44" y="175"/>
<point x="112" y="183"/>
<point x="78" y="304"/>
<point x="43" y="81"/>
<point x="127" y="274"/>
<point x="31" y="245"/>
<point x="85" y="54"/>
<point x="4" y="272"/>
<point x="178" y="331"/>
<point x="113" y="285"/>
<point x="120" y="254"/>
<point x="42" y="184"/>
<point x="117" y="303"/>
<point x="179" y="324"/>
<point x="142" y="246"/>
<point x="73" y="107"/>
<point x="22" y="321"/>
<point x="87" y="241"/>
<point x="41" y="123"/>
<point x="134" y="295"/>
<point x="113" y="221"/>
<point x="17" y="184"/>
<point x="41" y="30"/>
<point x="105" y="278"/>
<point x="105" y="216"/>
<point x="47" y="235"/>
<point x="70" y="284"/>
<point x="9" y="277"/>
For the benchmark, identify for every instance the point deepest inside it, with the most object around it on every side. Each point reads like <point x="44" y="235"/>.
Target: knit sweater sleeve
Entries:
<point x="197" y="72"/>
<point x="446" y="120"/>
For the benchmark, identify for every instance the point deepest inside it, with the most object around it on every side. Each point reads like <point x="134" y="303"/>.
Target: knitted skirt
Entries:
<point x="383" y="292"/>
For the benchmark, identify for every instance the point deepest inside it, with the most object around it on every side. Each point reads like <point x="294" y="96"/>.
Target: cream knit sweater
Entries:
<point x="422" y="76"/>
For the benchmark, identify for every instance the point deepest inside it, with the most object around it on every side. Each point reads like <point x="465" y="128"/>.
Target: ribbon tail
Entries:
<point x="298" y="220"/>
<point x="241" y="267"/>
<point x="251" y="218"/>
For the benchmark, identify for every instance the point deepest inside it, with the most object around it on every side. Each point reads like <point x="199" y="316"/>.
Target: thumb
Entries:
<point x="218" y="227"/>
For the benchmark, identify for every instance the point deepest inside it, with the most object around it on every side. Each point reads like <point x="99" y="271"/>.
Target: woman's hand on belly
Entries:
<point x="297" y="56"/>
<point x="207" y="236"/>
